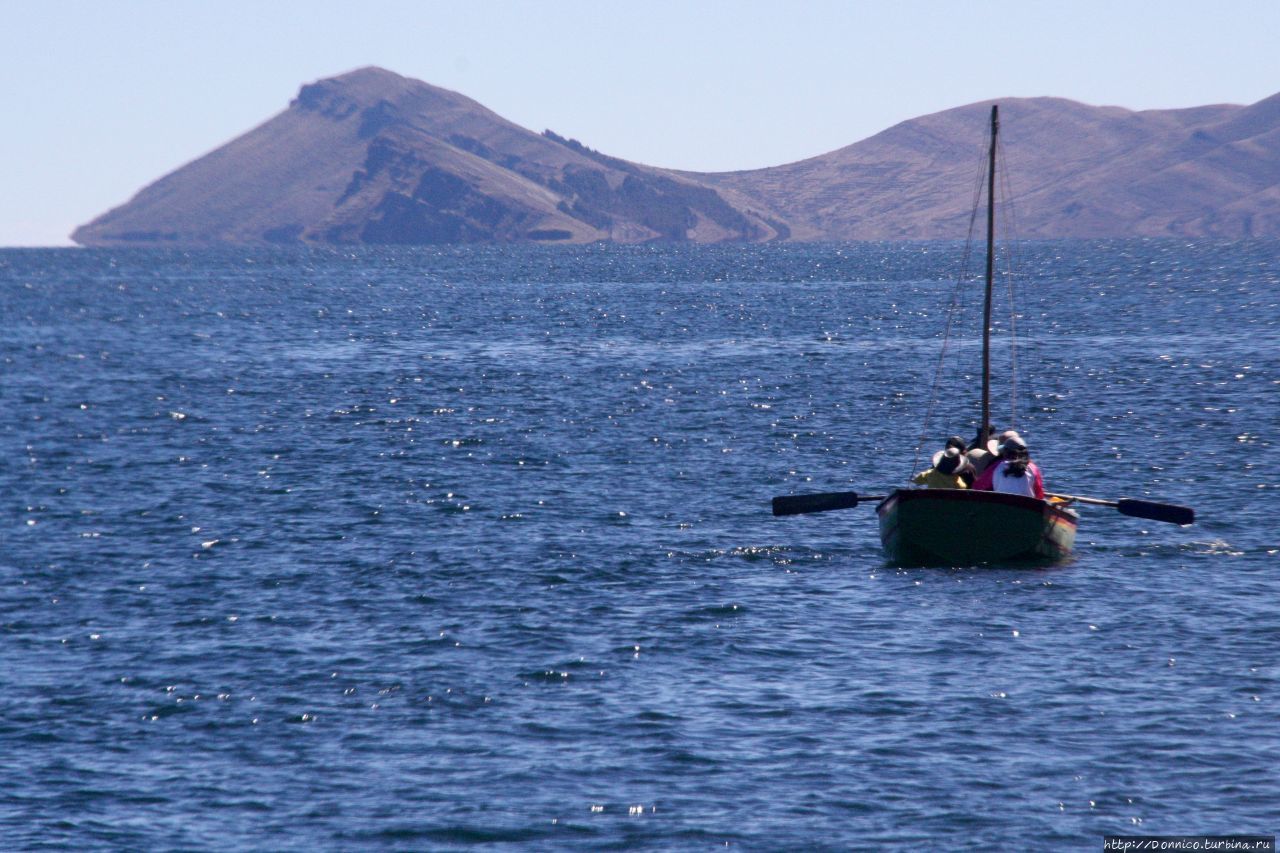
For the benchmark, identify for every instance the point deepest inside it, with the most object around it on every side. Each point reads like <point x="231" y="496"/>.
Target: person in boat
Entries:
<point x="1014" y="473"/>
<point x="980" y="452"/>
<point x="965" y="470"/>
<point x="946" y="473"/>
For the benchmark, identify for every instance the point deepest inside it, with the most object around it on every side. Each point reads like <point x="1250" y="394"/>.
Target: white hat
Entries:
<point x="951" y="453"/>
<point x="1009" y="436"/>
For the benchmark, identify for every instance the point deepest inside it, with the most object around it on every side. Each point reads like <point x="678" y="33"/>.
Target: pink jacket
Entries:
<point x="987" y="481"/>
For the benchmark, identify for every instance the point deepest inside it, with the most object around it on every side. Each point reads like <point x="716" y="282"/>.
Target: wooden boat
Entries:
<point x="959" y="527"/>
<point x="962" y="527"/>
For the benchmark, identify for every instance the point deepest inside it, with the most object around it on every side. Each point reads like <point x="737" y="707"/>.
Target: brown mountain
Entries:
<point x="373" y="157"/>
<point x="1074" y="171"/>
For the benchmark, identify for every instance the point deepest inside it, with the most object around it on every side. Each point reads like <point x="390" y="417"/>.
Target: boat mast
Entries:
<point x="986" y="304"/>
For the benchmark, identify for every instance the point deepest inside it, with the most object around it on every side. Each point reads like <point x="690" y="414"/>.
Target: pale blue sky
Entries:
<point x="100" y="98"/>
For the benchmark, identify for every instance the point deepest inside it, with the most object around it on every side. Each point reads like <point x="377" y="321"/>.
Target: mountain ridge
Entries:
<point x="372" y="157"/>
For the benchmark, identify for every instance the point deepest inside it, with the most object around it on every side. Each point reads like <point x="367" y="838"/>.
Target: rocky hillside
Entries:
<point x="1073" y="171"/>
<point x="372" y="157"/>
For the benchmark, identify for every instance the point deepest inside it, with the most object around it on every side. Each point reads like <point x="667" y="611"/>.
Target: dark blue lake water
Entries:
<point x="422" y="549"/>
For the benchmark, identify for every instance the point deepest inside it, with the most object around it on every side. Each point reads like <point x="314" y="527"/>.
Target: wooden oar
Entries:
<point x="1172" y="513"/>
<point x="820" y="502"/>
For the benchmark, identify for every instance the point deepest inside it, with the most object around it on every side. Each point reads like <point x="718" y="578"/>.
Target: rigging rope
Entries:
<point x="1021" y="335"/>
<point x="1009" y="271"/>
<point x="955" y="309"/>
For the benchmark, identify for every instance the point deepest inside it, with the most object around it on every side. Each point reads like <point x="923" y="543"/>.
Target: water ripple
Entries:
<point x="442" y="548"/>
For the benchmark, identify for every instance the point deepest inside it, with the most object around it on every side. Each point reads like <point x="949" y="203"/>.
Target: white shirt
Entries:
<point x="1024" y="485"/>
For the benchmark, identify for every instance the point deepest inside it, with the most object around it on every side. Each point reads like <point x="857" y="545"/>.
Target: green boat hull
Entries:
<point x="959" y="527"/>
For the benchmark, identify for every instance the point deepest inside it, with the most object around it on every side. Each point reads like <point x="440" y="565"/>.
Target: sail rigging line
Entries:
<point x="989" y="279"/>
<point x="1006" y="254"/>
<point x="956" y="308"/>
<point x="1021" y="333"/>
<point x="1009" y="247"/>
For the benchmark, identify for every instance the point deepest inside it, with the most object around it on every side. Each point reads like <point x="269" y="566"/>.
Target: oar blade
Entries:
<point x="1171" y="513"/>
<point x="820" y="502"/>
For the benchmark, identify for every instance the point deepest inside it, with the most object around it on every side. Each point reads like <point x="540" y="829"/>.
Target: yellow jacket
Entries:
<point x="935" y="479"/>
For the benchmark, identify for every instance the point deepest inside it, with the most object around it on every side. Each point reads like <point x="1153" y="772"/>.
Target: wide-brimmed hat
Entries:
<point x="1008" y="438"/>
<point x="961" y="461"/>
